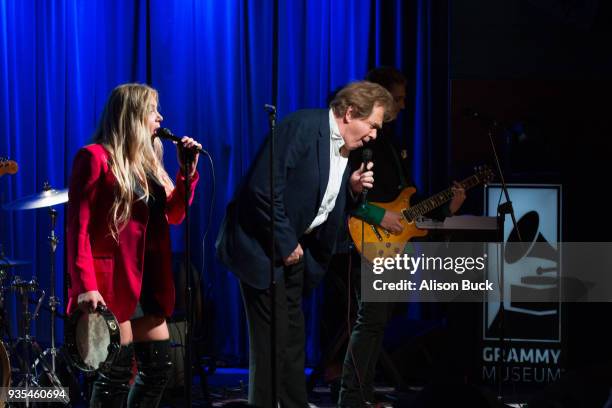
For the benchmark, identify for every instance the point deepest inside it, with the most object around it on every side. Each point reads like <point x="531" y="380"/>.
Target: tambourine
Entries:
<point x="93" y="339"/>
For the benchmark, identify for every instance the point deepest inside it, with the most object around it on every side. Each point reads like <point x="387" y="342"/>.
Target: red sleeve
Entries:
<point x="86" y="171"/>
<point x="175" y="205"/>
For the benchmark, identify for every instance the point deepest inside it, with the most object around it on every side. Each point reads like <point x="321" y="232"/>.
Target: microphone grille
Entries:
<point x="366" y="155"/>
<point x="163" y="133"/>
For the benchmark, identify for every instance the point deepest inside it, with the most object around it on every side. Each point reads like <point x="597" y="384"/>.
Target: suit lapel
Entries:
<point x="323" y="150"/>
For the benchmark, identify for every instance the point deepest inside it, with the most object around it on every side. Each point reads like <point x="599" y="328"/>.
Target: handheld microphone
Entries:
<point x="165" y="133"/>
<point x="366" y="157"/>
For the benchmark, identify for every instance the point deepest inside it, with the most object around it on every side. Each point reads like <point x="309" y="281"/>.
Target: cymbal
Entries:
<point x="46" y="198"/>
<point x="6" y="262"/>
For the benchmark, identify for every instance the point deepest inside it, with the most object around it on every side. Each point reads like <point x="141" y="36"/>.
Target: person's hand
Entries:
<point x="88" y="301"/>
<point x="458" y="197"/>
<point x="188" y="143"/>
<point x="392" y="222"/>
<point x="295" y="256"/>
<point x="362" y="178"/>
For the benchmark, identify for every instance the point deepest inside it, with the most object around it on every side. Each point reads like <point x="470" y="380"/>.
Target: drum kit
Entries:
<point x="30" y="367"/>
<point x="92" y="339"/>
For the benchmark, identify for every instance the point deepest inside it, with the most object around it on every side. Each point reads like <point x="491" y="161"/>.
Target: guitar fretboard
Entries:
<point x="437" y="200"/>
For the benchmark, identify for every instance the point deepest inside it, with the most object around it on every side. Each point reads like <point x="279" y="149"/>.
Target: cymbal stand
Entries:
<point x="50" y="372"/>
<point x="53" y="300"/>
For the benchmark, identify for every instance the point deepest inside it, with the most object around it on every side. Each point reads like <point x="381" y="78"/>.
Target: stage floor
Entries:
<point x="227" y="387"/>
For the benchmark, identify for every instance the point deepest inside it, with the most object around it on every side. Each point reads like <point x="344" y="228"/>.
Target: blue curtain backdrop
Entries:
<point x="213" y="64"/>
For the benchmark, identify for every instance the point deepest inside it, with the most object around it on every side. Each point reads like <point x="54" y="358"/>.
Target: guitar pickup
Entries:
<point x="378" y="236"/>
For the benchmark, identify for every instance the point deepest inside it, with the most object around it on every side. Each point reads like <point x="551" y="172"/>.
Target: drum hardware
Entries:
<point x="46" y="308"/>
<point x="6" y="264"/>
<point x="22" y="288"/>
<point x="47" y="377"/>
<point x="53" y="300"/>
<point x="47" y="198"/>
<point x="93" y="339"/>
<point x="27" y="353"/>
<point x="25" y="346"/>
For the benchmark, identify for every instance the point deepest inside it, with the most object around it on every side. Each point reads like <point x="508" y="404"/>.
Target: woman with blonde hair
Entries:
<point x="121" y="202"/>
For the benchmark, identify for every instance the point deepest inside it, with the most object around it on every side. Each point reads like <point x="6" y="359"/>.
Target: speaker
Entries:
<point x="179" y="272"/>
<point x="177" y="353"/>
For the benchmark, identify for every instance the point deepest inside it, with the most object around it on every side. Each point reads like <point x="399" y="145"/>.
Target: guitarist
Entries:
<point x="392" y="176"/>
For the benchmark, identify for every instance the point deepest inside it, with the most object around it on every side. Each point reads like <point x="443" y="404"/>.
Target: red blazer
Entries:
<point x="96" y="261"/>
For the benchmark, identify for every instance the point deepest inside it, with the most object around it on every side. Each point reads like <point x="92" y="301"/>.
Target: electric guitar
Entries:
<point x="389" y="244"/>
<point x="8" y="166"/>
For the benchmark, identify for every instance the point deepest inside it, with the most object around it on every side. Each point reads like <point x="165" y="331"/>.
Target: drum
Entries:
<point x="92" y="339"/>
<point x="5" y="373"/>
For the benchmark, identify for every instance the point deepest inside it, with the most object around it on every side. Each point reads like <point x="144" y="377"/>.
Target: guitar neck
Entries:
<point x="437" y="200"/>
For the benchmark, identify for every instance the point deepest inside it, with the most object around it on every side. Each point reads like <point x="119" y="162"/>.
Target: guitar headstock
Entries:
<point x="8" y="166"/>
<point x="484" y="173"/>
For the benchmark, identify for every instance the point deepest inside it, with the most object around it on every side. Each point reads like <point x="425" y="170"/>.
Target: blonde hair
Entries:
<point x="134" y="153"/>
<point x="363" y="96"/>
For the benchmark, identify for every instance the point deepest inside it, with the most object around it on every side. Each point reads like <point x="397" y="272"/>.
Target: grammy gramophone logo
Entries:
<point x="531" y="282"/>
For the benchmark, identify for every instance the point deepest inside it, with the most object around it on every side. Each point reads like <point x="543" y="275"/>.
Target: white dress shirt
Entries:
<point x="337" y="165"/>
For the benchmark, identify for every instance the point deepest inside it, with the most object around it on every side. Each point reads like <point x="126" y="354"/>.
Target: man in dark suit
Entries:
<point x="311" y="184"/>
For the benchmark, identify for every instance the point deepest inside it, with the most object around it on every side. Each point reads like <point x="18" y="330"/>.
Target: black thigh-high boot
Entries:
<point x="112" y="384"/>
<point x="154" y="365"/>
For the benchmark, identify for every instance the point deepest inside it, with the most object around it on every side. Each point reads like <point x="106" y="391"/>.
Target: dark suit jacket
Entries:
<point x="301" y="176"/>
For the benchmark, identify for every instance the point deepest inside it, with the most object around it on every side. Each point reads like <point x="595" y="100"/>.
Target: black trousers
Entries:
<point x="364" y="347"/>
<point x="290" y="342"/>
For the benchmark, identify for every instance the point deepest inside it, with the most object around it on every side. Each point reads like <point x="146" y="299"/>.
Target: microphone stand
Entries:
<point x="187" y="361"/>
<point x="272" y="286"/>
<point x="502" y="210"/>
